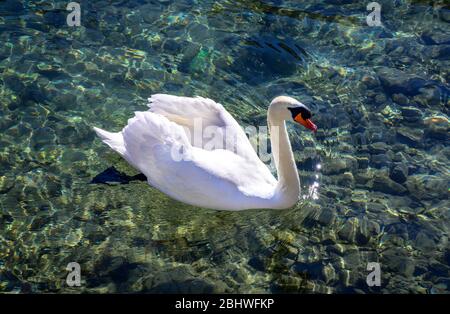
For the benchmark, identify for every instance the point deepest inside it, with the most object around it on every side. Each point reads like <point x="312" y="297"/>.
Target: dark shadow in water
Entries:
<point x="317" y="12"/>
<point x="263" y="58"/>
<point x="112" y="175"/>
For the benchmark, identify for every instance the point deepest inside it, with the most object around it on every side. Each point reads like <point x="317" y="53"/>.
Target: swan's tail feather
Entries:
<point x="113" y="140"/>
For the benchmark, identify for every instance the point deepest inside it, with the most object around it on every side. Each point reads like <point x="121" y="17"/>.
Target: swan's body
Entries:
<point x="158" y="143"/>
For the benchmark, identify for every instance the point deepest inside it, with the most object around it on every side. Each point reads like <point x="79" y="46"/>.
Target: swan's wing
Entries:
<point x="148" y="133"/>
<point x="250" y="178"/>
<point x="160" y="149"/>
<point x="208" y="125"/>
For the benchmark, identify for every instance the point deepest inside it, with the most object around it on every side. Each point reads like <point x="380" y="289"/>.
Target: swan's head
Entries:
<point x="288" y="108"/>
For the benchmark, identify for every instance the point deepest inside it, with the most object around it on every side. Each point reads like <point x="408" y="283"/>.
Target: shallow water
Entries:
<point x="380" y="97"/>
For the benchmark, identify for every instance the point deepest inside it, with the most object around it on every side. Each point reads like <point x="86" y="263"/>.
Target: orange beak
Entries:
<point x="307" y="123"/>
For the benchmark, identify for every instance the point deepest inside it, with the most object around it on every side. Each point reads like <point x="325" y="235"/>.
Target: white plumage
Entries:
<point x="169" y="145"/>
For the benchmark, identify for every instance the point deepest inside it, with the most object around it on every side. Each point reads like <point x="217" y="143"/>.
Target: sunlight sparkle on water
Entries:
<point x="313" y="191"/>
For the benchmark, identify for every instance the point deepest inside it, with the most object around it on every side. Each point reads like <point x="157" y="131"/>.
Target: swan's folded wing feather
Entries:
<point x="150" y="142"/>
<point x="251" y="178"/>
<point x="146" y="133"/>
<point x="188" y="108"/>
<point x="209" y="125"/>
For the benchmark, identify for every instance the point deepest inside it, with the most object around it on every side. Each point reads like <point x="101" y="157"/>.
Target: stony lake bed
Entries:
<point x="380" y="97"/>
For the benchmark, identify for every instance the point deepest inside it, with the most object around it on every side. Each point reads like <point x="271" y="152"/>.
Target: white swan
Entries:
<point x="227" y="178"/>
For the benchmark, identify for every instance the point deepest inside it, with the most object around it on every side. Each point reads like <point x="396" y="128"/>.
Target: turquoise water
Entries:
<point x="380" y="97"/>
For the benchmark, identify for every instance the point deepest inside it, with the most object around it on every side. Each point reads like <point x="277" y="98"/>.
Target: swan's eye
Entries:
<point x="306" y="114"/>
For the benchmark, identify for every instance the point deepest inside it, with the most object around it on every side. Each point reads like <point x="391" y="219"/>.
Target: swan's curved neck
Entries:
<point x="288" y="187"/>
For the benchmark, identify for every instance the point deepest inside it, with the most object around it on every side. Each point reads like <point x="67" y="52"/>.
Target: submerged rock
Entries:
<point x="410" y="136"/>
<point x="437" y="127"/>
<point x="189" y="285"/>
<point x="382" y="183"/>
<point x="39" y="222"/>
<point x="370" y="81"/>
<point x="346" y="180"/>
<point x="42" y="137"/>
<point x="436" y="37"/>
<point x="315" y="271"/>
<point x="6" y="183"/>
<point x="378" y="148"/>
<point x="398" y="261"/>
<point x="367" y="230"/>
<point x="257" y="263"/>
<point x="444" y="14"/>
<point x="441" y="52"/>
<point x="427" y="187"/>
<point x="380" y="160"/>
<point x="326" y="217"/>
<point x="424" y="242"/>
<point x="339" y="165"/>
<point x="411" y="114"/>
<point x="396" y="81"/>
<point x="400" y="99"/>
<point x="348" y="230"/>
<point x="363" y="162"/>
<point x="429" y="96"/>
<point x="399" y="173"/>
